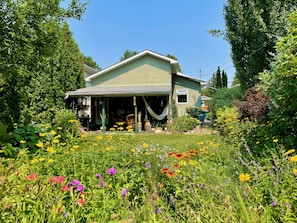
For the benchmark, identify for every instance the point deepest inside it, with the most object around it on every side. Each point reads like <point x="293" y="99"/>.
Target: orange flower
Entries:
<point x="164" y="170"/>
<point x="192" y="152"/>
<point x="170" y="174"/>
<point x="179" y="156"/>
<point x="80" y="201"/>
<point x="175" y="165"/>
<point x="172" y="154"/>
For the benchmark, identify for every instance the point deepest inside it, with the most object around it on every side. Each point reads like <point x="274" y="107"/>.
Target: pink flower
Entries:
<point x="65" y="188"/>
<point x="33" y="176"/>
<point x="80" y="201"/>
<point x="124" y="192"/>
<point x="56" y="179"/>
<point x="112" y="171"/>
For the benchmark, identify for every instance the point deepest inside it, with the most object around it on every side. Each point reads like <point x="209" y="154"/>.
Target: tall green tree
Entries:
<point x="280" y="83"/>
<point x="218" y="78"/>
<point x="30" y="32"/>
<point x="252" y="28"/>
<point x="127" y="54"/>
<point x="224" y="79"/>
<point x="91" y="63"/>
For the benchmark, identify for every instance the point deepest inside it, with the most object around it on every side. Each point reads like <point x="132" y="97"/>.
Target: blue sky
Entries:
<point x="175" y="27"/>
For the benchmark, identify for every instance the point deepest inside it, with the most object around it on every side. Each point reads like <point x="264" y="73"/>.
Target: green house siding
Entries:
<point x="192" y="89"/>
<point x="142" y="72"/>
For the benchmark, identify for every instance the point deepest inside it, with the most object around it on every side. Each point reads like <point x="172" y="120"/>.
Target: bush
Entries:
<point x="184" y="123"/>
<point x="66" y="120"/>
<point x="193" y="111"/>
<point x="227" y="118"/>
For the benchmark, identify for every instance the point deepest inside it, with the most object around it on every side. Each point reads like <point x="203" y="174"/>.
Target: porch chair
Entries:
<point x="130" y="119"/>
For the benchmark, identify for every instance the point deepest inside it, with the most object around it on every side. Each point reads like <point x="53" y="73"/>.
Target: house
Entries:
<point x="143" y="89"/>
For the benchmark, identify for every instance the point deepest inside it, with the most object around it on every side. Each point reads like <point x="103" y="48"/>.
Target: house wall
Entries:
<point x="145" y="71"/>
<point x="193" y="94"/>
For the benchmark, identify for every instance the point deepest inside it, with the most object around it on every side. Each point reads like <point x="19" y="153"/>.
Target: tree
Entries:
<point x="29" y="36"/>
<point x="280" y="83"/>
<point x="127" y="54"/>
<point x="91" y="63"/>
<point x="224" y="79"/>
<point x="252" y="30"/>
<point x="173" y="57"/>
<point x="218" y="78"/>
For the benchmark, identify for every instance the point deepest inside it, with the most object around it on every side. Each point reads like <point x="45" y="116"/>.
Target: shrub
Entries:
<point x="227" y="118"/>
<point x="193" y="111"/>
<point x="254" y="105"/>
<point x="184" y="123"/>
<point x="67" y="121"/>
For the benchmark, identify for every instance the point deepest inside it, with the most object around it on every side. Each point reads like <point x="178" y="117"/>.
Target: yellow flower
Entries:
<point x="53" y="132"/>
<point x="130" y="130"/>
<point x="58" y="136"/>
<point x="244" y="177"/>
<point x="257" y="142"/>
<point x="39" y="145"/>
<point x="120" y="128"/>
<point x="275" y="140"/>
<point x="112" y="129"/>
<point x="295" y="172"/>
<point x="50" y="161"/>
<point x="41" y="134"/>
<point x="290" y="151"/>
<point x="51" y="150"/>
<point x="294" y="158"/>
<point x="199" y="143"/>
<point x="34" y="161"/>
<point x="56" y="141"/>
<point x="59" y="128"/>
<point x="72" y="121"/>
<point x="109" y="136"/>
<point x="1" y="151"/>
<point x="23" y="141"/>
<point x="147" y="153"/>
<point x="133" y="150"/>
<point x="75" y="146"/>
<point x="41" y="159"/>
<point x="145" y="145"/>
<point x="22" y="152"/>
<point x="99" y="137"/>
<point x="62" y="143"/>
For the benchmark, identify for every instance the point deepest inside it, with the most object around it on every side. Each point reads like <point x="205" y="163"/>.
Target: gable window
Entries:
<point x="182" y="96"/>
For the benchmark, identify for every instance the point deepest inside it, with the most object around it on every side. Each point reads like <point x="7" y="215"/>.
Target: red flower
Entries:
<point x="56" y="180"/>
<point x="80" y="201"/>
<point x="65" y="188"/>
<point x="33" y="176"/>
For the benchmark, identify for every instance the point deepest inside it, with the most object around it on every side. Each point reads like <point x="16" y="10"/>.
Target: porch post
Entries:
<point x="135" y="114"/>
<point x="103" y="116"/>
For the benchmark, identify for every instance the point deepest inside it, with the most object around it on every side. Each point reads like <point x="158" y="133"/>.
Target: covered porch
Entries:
<point x="131" y="109"/>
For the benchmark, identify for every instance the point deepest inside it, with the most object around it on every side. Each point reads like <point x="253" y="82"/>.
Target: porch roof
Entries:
<point x="110" y="91"/>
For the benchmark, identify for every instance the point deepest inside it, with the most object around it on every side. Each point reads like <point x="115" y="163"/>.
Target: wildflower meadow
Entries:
<point x="127" y="177"/>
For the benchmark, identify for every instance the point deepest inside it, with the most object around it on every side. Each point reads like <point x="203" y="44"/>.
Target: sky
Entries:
<point x="175" y="27"/>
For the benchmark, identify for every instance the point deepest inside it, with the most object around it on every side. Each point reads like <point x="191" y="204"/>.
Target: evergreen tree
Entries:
<point x="224" y="80"/>
<point x="218" y="78"/>
<point x="253" y="27"/>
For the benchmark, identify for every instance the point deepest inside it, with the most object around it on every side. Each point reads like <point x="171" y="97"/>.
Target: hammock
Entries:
<point x="153" y="114"/>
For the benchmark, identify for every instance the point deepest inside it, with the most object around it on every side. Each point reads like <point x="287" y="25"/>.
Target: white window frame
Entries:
<point x="182" y="92"/>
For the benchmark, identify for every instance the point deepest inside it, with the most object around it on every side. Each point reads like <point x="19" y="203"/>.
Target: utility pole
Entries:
<point x="200" y="74"/>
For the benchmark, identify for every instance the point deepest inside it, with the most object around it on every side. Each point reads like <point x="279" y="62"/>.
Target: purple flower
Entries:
<point x="159" y="210"/>
<point x="80" y="188"/>
<point x="98" y="176"/>
<point x="148" y="165"/>
<point x="102" y="184"/>
<point x="171" y="200"/>
<point x="112" y="171"/>
<point x="124" y="192"/>
<point x="75" y="183"/>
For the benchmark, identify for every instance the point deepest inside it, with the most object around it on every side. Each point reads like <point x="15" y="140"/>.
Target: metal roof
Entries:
<point x="121" y="91"/>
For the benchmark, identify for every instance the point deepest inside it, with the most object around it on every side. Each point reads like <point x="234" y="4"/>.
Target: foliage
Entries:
<point x="34" y="44"/>
<point x="280" y="83"/>
<point x="252" y="30"/>
<point x="127" y="54"/>
<point x="91" y="63"/>
<point x="193" y="111"/>
<point x="219" y="79"/>
<point x="173" y="57"/>
<point x="254" y="105"/>
<point x="184" y="123"/>
<point x="124" y="178"/>
<point x="227" y="118"/>
<point x="223" y="97"/>
<point x="66" y="120"/>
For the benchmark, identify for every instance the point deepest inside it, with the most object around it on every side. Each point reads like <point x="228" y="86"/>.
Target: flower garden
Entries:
<point x="145" y="178"/>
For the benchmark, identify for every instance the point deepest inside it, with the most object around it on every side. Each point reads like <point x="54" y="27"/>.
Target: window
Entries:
<point x="182" y="96"/>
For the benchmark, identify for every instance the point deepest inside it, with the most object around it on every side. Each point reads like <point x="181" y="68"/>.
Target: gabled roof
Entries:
<point x="202" y="82"/>
<point x="89" y="70"/>
<point x="173" y="63"/>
